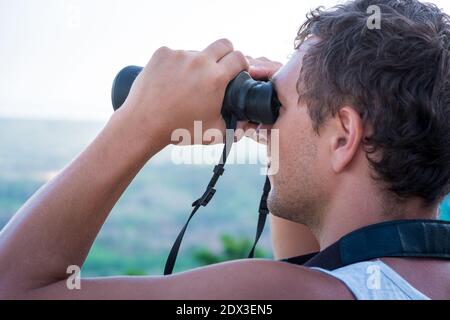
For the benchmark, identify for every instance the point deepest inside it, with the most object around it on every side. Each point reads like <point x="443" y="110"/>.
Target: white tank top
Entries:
<point x="374" y="280"/>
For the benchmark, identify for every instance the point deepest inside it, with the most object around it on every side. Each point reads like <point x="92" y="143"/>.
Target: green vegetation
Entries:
<point x="232" y="249"/>
<point x="140" y="231"/>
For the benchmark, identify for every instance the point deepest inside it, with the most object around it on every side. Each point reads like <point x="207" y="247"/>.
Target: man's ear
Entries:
<point x="345" y="138"/>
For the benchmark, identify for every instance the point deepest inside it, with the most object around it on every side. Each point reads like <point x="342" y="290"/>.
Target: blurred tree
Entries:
<point x="232" y="249"/>
<point x="135" y="272"/>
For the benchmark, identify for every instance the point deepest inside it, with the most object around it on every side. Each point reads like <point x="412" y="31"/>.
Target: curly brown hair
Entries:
<point x="397" y="77"/>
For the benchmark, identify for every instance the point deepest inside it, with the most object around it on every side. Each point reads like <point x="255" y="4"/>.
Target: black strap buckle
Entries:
<point x="205" y="199"/>
<point x="218" y="170"/>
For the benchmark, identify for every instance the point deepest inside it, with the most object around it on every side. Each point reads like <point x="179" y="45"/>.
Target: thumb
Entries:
<point x="260" y="72"/>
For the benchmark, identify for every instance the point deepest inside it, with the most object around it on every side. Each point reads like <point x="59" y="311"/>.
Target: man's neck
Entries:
<point x="354" y="209"/>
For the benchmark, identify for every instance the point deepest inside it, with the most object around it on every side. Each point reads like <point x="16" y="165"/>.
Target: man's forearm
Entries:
<point x="56" y="227"/>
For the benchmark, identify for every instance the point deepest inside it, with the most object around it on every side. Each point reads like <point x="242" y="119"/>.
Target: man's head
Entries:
<point x="365" y="110"/>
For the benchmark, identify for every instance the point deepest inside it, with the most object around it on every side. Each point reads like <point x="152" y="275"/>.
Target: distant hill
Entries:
<point x="142" y="227"/>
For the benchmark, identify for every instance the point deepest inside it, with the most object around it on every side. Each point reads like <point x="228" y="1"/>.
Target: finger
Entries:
<point x="256" y="62"/>
<point x="264" y="59"/>
<point x="263" y="68"/>
<point x="244" y="129"/>
<point x="262" y="133"/>
<point x="260" y="73"/>
<point x="218" y="49"/>
<point x="250" y="130"/>
<point x="233" y="63"/>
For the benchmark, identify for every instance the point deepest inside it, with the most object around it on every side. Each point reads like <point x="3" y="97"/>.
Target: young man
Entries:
<point x="363" y="138"/>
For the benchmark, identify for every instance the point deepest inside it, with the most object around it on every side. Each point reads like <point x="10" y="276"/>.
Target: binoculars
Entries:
<point x="245" y="98"/>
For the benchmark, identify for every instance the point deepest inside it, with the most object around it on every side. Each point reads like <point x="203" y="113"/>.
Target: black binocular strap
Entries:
<point x="400" y="238"/>
<point x="231" y="123"/>
<point x="207" y="195"/>
<point x="263" y="212"/>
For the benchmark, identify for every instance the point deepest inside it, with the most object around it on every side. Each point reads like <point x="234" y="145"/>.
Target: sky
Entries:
<point x="58" y="58"/>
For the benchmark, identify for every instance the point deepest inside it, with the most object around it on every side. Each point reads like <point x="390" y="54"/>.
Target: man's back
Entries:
<point x="413" y="278"/>
<point x="431" y="277"/>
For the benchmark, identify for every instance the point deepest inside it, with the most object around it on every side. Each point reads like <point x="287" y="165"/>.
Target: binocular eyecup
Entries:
<point x="251" y="100"/>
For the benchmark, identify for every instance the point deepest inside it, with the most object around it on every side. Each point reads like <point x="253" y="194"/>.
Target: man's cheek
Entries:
<point x="274" y="151"/>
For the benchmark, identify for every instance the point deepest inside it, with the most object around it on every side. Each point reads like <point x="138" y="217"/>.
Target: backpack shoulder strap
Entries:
<point x="399" y="238"/>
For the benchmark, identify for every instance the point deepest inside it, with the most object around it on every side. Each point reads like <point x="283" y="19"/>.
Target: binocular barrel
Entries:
<point x="122" y="85"/>
<point x="245" y="98"/>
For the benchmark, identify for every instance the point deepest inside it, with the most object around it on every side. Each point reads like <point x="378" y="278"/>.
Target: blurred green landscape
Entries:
<point x="143" y="225"/>
<point x="141" y="229"/>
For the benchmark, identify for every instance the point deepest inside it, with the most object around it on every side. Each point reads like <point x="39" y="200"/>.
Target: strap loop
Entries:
<point x="207" y="196"/>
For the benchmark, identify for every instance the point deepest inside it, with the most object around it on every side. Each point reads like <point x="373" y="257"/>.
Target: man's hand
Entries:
<point x="263" y="68"/>
<point x="177" y="88"/>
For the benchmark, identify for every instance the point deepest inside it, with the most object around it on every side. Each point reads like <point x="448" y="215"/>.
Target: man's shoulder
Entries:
<point x="269" y="279"/>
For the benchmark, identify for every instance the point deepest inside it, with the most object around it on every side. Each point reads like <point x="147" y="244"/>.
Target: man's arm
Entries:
<point x="235" y="280"/>
<point x="57" y="226"/>
<point x="291" y="239"/>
